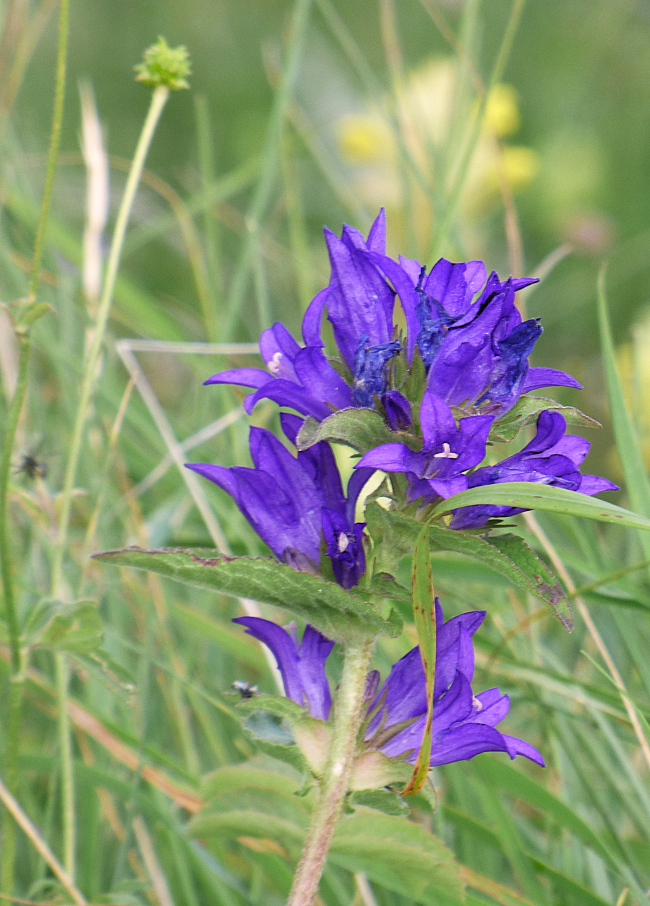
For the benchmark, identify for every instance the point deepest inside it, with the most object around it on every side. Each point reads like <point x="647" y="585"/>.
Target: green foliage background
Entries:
<point x="151" y="712"/>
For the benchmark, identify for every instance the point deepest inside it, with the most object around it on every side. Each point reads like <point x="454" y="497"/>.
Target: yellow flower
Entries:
<point x="502" y="111"/>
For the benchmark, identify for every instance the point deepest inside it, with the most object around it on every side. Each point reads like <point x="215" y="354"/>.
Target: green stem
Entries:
<point x="336" y="776"/>
<point x="65" y="754"/>
<point x="53" y="153"/>
<point x="13" y="418"/>
<point x="158" y="100"/>
<point x="14" y="720"/>
<point x="15" y="409"/>
<point x="475" y="129"/>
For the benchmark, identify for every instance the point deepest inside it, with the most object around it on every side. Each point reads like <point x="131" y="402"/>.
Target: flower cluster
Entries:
<point x="442" y="357"/>
<point x="291" y="503"/>
<point x="462" y="333"/>
<point x="464" y="724"/>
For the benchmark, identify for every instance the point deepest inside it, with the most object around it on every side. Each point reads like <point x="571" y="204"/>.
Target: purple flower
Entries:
<point x="298" y="377"/>
<point x="475" y="352"/>
<point x="302" y="666"/>
<point x="551" y="458"/>
<point x="358" y="299"/>
<point x="398" y="410"/>
<point x="464" y="725"/>
<point x="292" y="502"/>
<point x="448" y="451"/>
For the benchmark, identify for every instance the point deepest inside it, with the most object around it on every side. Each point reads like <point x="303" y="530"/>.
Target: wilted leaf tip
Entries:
<point x="164" y="65"/>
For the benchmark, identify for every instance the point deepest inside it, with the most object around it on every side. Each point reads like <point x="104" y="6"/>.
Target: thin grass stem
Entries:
<point x="473" y="134"/>
<point x="213" y="253"/>
<point x="158" y="100"/>
<point x="270" y="166"/>
<point x="15" y="410"/>
<point x="562" y="571"/>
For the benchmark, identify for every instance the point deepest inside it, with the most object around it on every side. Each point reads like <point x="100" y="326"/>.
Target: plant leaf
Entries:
<point x="506" y="554"/>
<point x="525" y="412"/>
<point x="535" y="573"/>
<point x="361" y="429"/>
<point x="532" y="496"/>
<point x="381" y="800"/>
<point x="243" y="799"/>
<point x="398" y="854"/>
<point x="336" y="613"/>
<point x="424" y="614"/>
<point x="277" y="705"/>
<point x="224" y="781"/>
<point x="75" y="627"/>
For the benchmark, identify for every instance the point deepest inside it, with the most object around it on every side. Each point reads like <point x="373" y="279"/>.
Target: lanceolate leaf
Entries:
<point x="361" y="429"/>
<point x="326" y="605"/>
<point x="425" y="623"/>
<point x="536" y="572"/>
<point x="506" y="554"/>
<point x="532" y="496"/>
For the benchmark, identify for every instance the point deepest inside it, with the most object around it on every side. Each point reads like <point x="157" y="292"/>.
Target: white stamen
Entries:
<point x="446" y="453"/>
<point x="274" y="365"/>
<point x="344" y="542"/>
<point x="477" y="705"/>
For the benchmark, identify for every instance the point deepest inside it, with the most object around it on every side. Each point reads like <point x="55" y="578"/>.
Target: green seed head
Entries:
<point x="164" y="65"/>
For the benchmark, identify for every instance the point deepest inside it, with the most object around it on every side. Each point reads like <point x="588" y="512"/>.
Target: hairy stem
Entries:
<point x="336" y="776"/>
<point x="15" y="409"/>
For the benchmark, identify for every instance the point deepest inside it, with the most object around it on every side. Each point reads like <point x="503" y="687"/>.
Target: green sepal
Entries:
<point x="526" y="412"/>
<point x="385" y="801"/>
<point x="361" y="429"/>
<point x="288" y="753"/>
<point x="277" y="705"/>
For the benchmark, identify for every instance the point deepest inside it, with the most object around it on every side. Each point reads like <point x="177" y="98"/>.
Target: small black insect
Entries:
<point x="32" y="467"/>
<point x="245" y="690"/>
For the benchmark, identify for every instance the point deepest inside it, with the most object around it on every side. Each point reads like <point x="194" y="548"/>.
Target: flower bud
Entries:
<point x="164" y="65"/>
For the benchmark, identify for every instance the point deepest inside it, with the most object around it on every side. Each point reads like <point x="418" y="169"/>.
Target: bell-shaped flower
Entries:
<point x="475" y="353"/>
<point x="358" y="300"/>
<point x="293" y="502"/>
<point x="552" y="458"/>
<point x="483" y="360"/>
<point x="464" y="725"/>
<point x="302" y="666"/>
<point x="449" y="450"/>
<point x="359" y="304"/>
<point x="298" y="377"/>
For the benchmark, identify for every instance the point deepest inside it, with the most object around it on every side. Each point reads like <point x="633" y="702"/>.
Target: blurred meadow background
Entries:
<point x="516" y="133"/>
